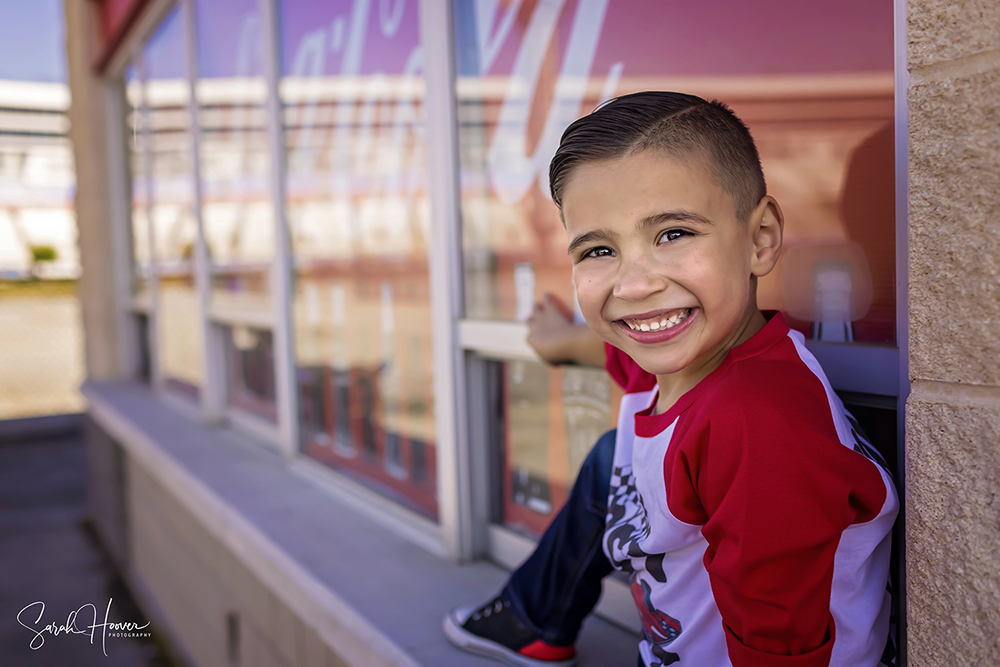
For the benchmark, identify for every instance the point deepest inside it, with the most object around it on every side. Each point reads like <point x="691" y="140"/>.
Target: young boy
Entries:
<point x="752" y="518"/>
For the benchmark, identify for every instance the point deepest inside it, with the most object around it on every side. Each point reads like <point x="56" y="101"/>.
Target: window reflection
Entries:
<point x="553" y="417"/>
<point x="352" y="91"/>
<point x="179" y="337"/>
<point x="136" y="140"/>
<point x="179" y="342"/>
<point x="814" y="82"/>
<point x="819" y="109"/>
<point x="237" y="211"/>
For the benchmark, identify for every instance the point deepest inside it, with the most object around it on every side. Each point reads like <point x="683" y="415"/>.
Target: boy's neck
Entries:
<point x="674" y="385"/>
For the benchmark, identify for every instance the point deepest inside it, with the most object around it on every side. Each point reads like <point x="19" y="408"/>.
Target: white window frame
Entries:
<point x="901" y="84"/>
<point x="286" y="394"/>
<point x="462" y="501"/>
<point x="213" y="389"/>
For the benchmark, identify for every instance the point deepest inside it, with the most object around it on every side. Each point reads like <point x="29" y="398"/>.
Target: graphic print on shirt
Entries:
<point x="628" y="525"/>
<point x="659" y="628"/>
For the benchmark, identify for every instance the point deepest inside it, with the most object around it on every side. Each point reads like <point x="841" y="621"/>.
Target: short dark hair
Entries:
<point x="675" y="123"/>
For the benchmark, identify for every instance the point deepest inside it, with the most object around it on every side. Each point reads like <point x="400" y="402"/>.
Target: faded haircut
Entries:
<point x="678" y="124"/>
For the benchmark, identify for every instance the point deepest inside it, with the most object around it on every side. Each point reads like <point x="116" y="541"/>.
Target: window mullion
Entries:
<point x="463" y="512"/>
<point x="155" y="367"/>
<point x="282" y="266"/>
<point x="213" y="394"/>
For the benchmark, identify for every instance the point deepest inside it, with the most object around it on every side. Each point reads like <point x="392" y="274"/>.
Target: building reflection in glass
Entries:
<point x="352" y="91"/>
<point x="237" y="209"/>
<point x="814" y="82"/>
<point x="167" y="94"/>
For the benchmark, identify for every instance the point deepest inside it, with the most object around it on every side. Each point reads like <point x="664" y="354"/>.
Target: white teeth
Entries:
<point x="660" y="325"/>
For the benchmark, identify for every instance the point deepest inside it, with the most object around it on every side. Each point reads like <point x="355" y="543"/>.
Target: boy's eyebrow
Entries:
<point x="672" y="216"/>
<point x="591" y="236"/>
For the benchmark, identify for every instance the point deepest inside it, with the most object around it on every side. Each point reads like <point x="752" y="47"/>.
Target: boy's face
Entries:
<point x="663" y="268"/>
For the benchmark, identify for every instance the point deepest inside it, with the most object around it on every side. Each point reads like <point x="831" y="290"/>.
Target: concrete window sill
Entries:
<point x="367" y="593"/>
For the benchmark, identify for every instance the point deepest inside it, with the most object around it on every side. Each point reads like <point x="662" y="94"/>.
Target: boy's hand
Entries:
<point x="549" y="329"/>
<point x="557" y="339"/>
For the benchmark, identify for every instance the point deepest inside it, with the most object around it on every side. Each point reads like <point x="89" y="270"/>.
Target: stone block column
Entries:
<point x="953" y="412"/>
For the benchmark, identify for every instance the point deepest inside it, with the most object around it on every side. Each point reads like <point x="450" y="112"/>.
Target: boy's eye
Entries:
<point x="597" y="252"/>
<point x="673" y="235"/>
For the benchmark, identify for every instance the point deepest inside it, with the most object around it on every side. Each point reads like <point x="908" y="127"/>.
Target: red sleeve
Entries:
<point x="774" y="489"/>
<point x="628" y="374"/>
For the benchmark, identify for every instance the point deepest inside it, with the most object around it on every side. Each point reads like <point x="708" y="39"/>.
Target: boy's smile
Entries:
<point x="663" y="268"/>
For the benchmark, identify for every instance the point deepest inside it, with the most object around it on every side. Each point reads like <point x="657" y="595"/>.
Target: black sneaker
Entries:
<point x="494" y="630"/>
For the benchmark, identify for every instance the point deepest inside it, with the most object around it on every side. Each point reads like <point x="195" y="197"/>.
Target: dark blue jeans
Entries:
<point x="560" y="582"/>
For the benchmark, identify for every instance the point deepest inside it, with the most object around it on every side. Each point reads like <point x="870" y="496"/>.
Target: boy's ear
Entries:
<point x="766" y="227"/>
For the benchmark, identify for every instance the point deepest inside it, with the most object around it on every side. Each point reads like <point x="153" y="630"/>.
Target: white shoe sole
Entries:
<point x="467" y="641"/>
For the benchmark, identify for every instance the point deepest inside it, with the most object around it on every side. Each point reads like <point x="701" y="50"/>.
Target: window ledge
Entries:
<point x="364" y="589"/>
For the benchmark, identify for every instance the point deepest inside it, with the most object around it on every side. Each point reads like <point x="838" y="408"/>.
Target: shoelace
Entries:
<point x="494" y="606"/>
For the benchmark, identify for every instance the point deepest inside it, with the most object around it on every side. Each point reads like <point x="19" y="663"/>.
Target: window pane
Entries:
<point x="814" y="83"/>
<point x="352" y="91"/>
<point x="179" y="332"/>
<point x="553" y="417"/>
<point x="250" y="366"/>
<point x="237" y="211"/>
<point x="136" y="141"/>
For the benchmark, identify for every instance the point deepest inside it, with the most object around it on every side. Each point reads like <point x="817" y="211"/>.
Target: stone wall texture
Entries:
<point x="955" y="227"/>
<point x="952" y="519"/>
<point x="953" y="412"/>
<point x="946" y="30"/>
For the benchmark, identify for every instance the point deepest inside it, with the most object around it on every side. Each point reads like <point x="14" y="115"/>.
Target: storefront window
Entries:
<point x="179" y="330"/>
<point x="352" y="91"/>
<point x="813" y="82"/>
<point x="237" y="211"/>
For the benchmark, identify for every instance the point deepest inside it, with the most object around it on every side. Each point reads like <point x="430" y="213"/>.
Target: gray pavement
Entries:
<point x="49" y="554"/>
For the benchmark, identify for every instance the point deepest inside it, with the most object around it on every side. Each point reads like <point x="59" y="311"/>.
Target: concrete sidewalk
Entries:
<point x="50" y="555"/>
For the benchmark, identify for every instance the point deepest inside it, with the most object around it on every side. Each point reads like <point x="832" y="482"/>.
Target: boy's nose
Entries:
<point x="638" y="279"/>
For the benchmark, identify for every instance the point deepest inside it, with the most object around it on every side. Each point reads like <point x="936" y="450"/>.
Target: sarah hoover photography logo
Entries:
<point x="82" y="621"/>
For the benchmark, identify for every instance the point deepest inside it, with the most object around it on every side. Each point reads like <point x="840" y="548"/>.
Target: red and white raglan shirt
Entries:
<point x="753" y="518"/>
